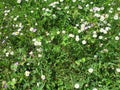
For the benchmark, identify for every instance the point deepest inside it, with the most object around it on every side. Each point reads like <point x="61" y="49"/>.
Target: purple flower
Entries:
<point x="16" y="63"/>
<point x="34" y="30"/>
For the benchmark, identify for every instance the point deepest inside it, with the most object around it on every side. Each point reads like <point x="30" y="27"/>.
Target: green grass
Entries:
<point x="53" y="45"/>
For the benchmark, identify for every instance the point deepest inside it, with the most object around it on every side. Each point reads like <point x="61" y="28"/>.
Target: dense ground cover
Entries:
<point x="59" y="44"/>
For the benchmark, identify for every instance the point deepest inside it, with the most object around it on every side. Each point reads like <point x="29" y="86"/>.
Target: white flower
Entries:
<point x="82" y="27"/>
<point x="61" y="0"/>
<point x="11" y="53"/>
<point x="95" y="56"/>
<point x="43" y="77"/>
<point x="18" y="1"/>
<point x="37" y="43"/>
<point x="118" y="70"/>
<point x="97" y="15"/>
<point x="77" y="38"/>
<point x="116" y="17"/>
<point x="117" y="38"/>
<point x="102" y="8"/>
<point x="58" y="32"/>
<point x="7" y="54"/>
<point x="101" y="30"/>
<point x="100" y="37"/>
<point x="15" y="33"/>
<point x="94" y="89"/>
<point x="94" y="35"/>
<point x="76" y="85"/>
<point x="26" y="0"/>
<point x="31" y="53"/>
<point x="63" y="31"/>
<point x="71" y="35"/>
<point x="90" y="70"/>
<point x="39" y="49"/>
<point x="118" y="8"/>
<point x="80" y="7"/>
<point x="95" y="9"/>
<point x="32" y="11"/>
<point x="84" y="42"/>
<point x="13" y="80"/>
<point x="102" y="18"/>
<point x="74" y="0"/>
<point x="31" y="29"/>
<point x="27" y="73"/>
<point x="39" y="55"/>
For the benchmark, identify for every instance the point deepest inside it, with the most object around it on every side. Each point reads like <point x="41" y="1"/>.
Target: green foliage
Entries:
<point x="59" y="45"/>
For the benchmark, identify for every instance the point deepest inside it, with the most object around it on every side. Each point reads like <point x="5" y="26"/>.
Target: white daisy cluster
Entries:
<point x="38" y="45"/>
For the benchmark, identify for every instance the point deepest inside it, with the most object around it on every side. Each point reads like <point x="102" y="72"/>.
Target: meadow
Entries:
<point x="59" y="44"/>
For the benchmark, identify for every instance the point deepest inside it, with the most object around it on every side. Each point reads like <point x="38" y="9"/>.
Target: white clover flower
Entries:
<point x="84" y="42"/>
<point x="102" y="18"/>
<point x="95" y="56"/>
<point x="82" y="27"/>
<point x="101" y="45"/>
<point x="76" y="85"/>
<point x="27" y="73"/>
<point x="105" y="32"/>
<point x="58" y="32"/>
<point x="116" y="17"/>
<point x="54" y="16"/>
<point x="39" y="55"/>
<point x="11" y="53"/>
<point x="61" y="0"/>
<point x="95" y="9"/>
<point x="39" y="49"/>
<point x="13" y="80"/>
<point x="43" y="77"/>
<point x="117" y="38"/>
<point x="119" y="34"/>
<point x="34" y="40"/>
<point x="33" y="29"/>
<point x="118" y="70"/>
<point x="100" y="37"/>
<point x="18" y="1"/>
<point x="80" y="7"/>
<point x="37" y="43"/>
<point x="91" y="2"/>
<point x="105" y="50"/>
<point x="31" y="53"/>
<point x="94" y="89"/>
<point x="15" y="19"/>
<point x="36" y="24"/>
<point x="32" y="11"/>
<point x="71" y="35"/>
<point x="106" y="15"/>
<point x="102" y="8"/>
<point x="7" y="54"/>
<point x="63" y="31"/>
<point x="26" y="0"/>
<point x="79" y="31"/>
<point x="110" y="11"/>
<point x="15" y="33"/>
<point x="101" y="30"/>
<point x="94" y="35"/>
<point x="107" y="28"/>
<point x="90" y="70"/>
<point x="97" y="15"/>
<point x="77" y="38"/>
<point x="118" y="8"/>
<point x="94" y="32"/>
<point x="73" y="0"/>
